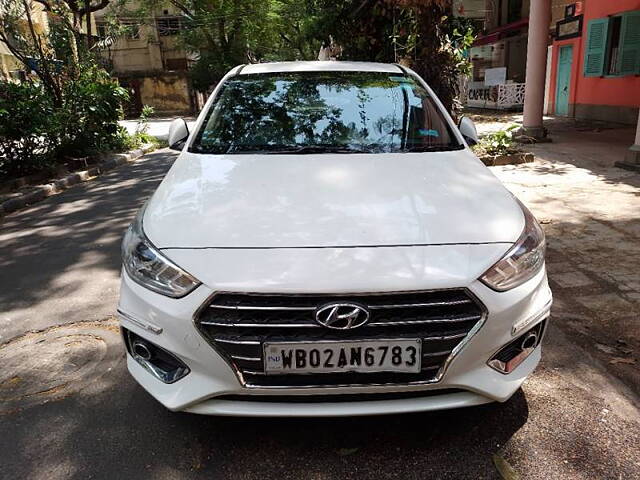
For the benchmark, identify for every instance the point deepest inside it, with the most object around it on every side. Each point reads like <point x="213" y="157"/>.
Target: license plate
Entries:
<point x="355" y="356"/>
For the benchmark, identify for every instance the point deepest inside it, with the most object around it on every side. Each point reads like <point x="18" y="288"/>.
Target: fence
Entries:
<point x="502" y="97"/>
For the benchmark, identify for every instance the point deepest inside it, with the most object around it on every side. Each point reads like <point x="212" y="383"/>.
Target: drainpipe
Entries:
<point x="632" y="159"/>
<point x="539" y="19"/>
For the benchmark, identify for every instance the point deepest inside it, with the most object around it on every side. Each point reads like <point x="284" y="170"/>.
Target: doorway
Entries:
<point x="563" y="80"/>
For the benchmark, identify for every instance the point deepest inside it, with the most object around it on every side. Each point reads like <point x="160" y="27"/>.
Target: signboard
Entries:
<point x="482" y="96"/>
<point x="495" y="76"/>
<point x="569" y="28"/>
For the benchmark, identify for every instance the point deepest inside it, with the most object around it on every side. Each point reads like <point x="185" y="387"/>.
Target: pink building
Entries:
<point x="595" y="61"/>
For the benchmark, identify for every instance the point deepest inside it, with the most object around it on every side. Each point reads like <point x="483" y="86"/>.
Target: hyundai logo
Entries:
<point x="342" y="316"/>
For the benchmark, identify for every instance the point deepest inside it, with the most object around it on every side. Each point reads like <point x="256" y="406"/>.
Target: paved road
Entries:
<point x="60" y="259"/>
<point x="59" y="262"/>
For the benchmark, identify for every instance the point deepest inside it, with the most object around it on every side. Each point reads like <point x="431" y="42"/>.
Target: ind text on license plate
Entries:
<point x="354" y="356"/>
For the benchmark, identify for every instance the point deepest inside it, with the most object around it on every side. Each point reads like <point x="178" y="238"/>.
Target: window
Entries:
<point x="131" y="29"/>
<point x="613" y="46"/>
<point x="176" y="64"/>
<point x="101" y="30"/>
<point x="313" y="112"/>
<point x="168" y="26"/>
<point x="514" y="11"/>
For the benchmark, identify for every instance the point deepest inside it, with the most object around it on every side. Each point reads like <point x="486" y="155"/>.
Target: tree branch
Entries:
<point x="42" y="72"/>
<point x="45" y="4"/>
<point x="182" y="7"/>
<point x="14" y="51"/>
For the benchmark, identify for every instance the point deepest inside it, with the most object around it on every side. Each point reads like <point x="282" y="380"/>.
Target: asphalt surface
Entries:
<point x="59" y="264"/>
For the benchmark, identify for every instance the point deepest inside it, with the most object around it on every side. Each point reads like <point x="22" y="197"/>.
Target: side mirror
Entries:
<point x="178" y="134"/>
<point x="468" y="130"/>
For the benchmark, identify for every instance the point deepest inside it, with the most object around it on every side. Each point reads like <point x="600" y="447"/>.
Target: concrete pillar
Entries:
<point x="632" y="159"/>
<point x="539" y="19"/>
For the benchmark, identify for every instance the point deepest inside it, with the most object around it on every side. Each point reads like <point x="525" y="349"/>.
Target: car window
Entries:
<point x="307" y="112"/>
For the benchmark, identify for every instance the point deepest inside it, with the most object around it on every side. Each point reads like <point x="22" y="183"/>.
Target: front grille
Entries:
<point x="236" y="325"/>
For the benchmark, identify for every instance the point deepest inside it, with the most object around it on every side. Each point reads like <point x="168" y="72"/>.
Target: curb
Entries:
<point x="40" y="192"/>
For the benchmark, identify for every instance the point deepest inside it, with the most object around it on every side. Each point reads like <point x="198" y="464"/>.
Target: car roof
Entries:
<point x="319" y="66"/>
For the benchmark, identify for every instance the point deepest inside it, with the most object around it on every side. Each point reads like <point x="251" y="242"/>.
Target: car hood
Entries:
<point x="330" y="200"/>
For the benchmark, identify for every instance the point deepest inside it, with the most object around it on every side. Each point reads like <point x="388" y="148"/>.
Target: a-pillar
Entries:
<point x="539" y="19"/>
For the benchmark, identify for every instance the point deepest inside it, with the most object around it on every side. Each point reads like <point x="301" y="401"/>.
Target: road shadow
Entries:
<point x="71" y="234"/>
<point x="124" y="433"/>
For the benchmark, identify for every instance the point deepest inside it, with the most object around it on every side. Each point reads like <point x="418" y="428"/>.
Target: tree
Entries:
<point x="223" y="33"/>
<point x="19" y="33"/>
<point x="79" y="101"/>
<point x="421" y="34"/>
<point x="79" y="9"/>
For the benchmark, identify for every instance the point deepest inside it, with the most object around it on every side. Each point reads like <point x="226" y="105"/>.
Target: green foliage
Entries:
<point x="224" y="33"/>
<point x="143" y="121"/>
<point x="419" y="33"/>
<point x="140" y="137"/>
<point x="28" y="129"/>
<point x="35" y="133"/>
<point x="501" y="142"/>
<point x="69" y="107"/>
<point x="92" y="107"/>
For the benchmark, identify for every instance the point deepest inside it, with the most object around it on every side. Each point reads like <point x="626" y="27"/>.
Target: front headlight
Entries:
<point x="148" y="267"/>
<point x="523" y="261"/>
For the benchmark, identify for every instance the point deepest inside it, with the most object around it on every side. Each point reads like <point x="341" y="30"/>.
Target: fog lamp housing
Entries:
<point x="157" y="361"/>
<point x="515" y="352"/>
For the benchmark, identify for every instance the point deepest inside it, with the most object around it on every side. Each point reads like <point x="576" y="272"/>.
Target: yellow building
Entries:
<point x="10" y="67"/>
<point x="148" y="61"/>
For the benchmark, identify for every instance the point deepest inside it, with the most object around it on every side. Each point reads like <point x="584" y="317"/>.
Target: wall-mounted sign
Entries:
<point x="569" y="28"/>
<point x="482" y="96"/>
<point x="495" y="76"/>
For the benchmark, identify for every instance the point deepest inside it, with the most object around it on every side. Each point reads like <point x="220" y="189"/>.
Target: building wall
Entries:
<point x="614" y="99"/>
<point x="9" y="63"/>
<point x="152" y="67"/>
<point x="169" y="93"/>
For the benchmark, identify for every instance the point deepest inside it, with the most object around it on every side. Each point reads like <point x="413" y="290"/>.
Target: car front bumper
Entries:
<point x="212" y="386"/>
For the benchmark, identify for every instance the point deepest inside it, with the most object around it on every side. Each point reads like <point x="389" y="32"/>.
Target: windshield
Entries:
<point x="310" y="112"/>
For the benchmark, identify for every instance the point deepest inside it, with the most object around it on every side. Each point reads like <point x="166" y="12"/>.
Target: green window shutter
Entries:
<point x="629" y="57"/>
<point x="596" y="47"/>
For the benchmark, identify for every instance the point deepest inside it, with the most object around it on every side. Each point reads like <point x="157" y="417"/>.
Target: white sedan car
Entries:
<point x="326" y="243"/>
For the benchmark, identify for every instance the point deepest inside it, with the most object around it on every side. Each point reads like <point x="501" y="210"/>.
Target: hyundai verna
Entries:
<point x="326" y="243"/>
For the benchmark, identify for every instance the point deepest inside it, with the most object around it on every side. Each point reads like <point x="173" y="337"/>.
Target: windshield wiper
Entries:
<point x="288" y="149"/>
<point x="432" y="148"/>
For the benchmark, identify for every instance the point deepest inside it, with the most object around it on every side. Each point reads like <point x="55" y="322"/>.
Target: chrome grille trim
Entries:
<point x="253" y="372"/>
<point x="311" y="325"/>
<point x="431" y="320"/>
<point x="242" y="307"/>
<point x="415" y="305"/>
<point x="446" y="337"/>
<point x="247" y="359"/>
<point x="262" y="325"/>
<point x="236" y="345"/>
<point x="371" y="307"/>
<point x="237" y="342"/>
<point x="436" y="354"/>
